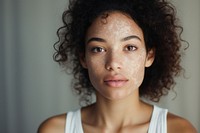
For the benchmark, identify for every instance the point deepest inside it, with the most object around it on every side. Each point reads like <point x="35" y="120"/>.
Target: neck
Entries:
<point x="119" y="112"/>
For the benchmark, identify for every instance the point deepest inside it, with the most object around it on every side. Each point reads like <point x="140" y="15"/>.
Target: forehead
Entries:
<point x="109" y="23"/>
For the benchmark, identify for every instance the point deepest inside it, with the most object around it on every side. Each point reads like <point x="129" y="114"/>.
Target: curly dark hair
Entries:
<point x="157" y="19"/>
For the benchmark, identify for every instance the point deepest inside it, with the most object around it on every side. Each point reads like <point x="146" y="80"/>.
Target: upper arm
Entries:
<point x="178" y="124"/>
<point x="54" y="124"/>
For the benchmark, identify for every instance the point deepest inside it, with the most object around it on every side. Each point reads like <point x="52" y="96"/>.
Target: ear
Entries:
<point x="82" y="60"/>
<point x="150" y="57"/>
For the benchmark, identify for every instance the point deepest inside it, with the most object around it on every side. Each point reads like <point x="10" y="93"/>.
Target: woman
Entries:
<point x="120" y="50"/>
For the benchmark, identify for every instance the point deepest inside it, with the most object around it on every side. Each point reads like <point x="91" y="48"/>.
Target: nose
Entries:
<point x="113" y="62"/>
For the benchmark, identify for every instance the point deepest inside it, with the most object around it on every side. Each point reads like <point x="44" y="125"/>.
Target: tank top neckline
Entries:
<point x="153" y="115"/>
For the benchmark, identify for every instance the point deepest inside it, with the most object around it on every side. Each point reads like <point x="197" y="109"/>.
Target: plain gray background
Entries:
<point x="33" y="87"/>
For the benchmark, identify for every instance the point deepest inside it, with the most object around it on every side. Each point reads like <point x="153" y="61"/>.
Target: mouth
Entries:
<point x="115" y="82"/>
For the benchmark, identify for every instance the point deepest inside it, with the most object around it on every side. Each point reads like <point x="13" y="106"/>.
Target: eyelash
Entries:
<point x="133" y="48"/>
<point x="97" y="49"/>
<point x="100" y="49"/>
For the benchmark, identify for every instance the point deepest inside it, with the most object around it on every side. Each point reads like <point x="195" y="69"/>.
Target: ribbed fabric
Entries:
<point x="158" y="123"/>
<point x="73" y="122"/>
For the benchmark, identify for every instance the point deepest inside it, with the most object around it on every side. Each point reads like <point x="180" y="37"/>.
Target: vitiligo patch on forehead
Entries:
<point x="117" y="23"/>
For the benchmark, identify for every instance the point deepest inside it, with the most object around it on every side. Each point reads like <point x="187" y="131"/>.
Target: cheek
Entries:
<point x="138" y="76"/>
<point x="94" y="70"/>
<point x="94" y="64"/>
<point x="136" y="70"/>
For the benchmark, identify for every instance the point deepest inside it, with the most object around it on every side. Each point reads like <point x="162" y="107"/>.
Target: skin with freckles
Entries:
<point x="116" y="56"/>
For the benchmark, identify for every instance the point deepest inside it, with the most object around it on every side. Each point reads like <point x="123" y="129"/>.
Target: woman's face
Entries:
<point x="116" y="56"/>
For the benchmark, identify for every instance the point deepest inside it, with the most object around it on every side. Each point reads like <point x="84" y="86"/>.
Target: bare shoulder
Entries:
<point x="178" y="124"/>
<point x="55" y="124"/>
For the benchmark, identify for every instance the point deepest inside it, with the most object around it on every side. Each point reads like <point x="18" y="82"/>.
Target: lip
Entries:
<point x="115" y="81"/>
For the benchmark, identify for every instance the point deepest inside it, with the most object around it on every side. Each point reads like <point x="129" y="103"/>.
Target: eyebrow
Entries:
<point x="97" y="39"/>
<point x="123" y="39"/>
<point x="131" y="37"/>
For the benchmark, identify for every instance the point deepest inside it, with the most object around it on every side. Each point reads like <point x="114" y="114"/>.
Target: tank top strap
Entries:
<point x="73" y="122"/>
<point x="158" y="123"/>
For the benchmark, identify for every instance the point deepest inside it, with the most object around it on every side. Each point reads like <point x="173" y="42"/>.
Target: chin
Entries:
<point x="115" y="96"/>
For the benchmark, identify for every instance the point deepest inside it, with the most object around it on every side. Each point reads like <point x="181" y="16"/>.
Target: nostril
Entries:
<point x="112" y="67"/>
<point x="108" y="68"/>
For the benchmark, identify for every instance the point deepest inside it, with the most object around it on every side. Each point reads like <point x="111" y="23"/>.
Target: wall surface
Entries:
<point x="33" y="87"/>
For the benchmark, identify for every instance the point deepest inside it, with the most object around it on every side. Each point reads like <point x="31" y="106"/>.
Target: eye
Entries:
<point x="98" y="49"/>
<point x="130" y="48"/>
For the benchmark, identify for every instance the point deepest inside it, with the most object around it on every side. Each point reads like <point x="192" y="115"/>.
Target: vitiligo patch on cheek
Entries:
<point x="136" y="68"/>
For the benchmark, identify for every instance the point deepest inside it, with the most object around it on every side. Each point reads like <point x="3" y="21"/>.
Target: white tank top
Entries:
<point x="158" y="123"/>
